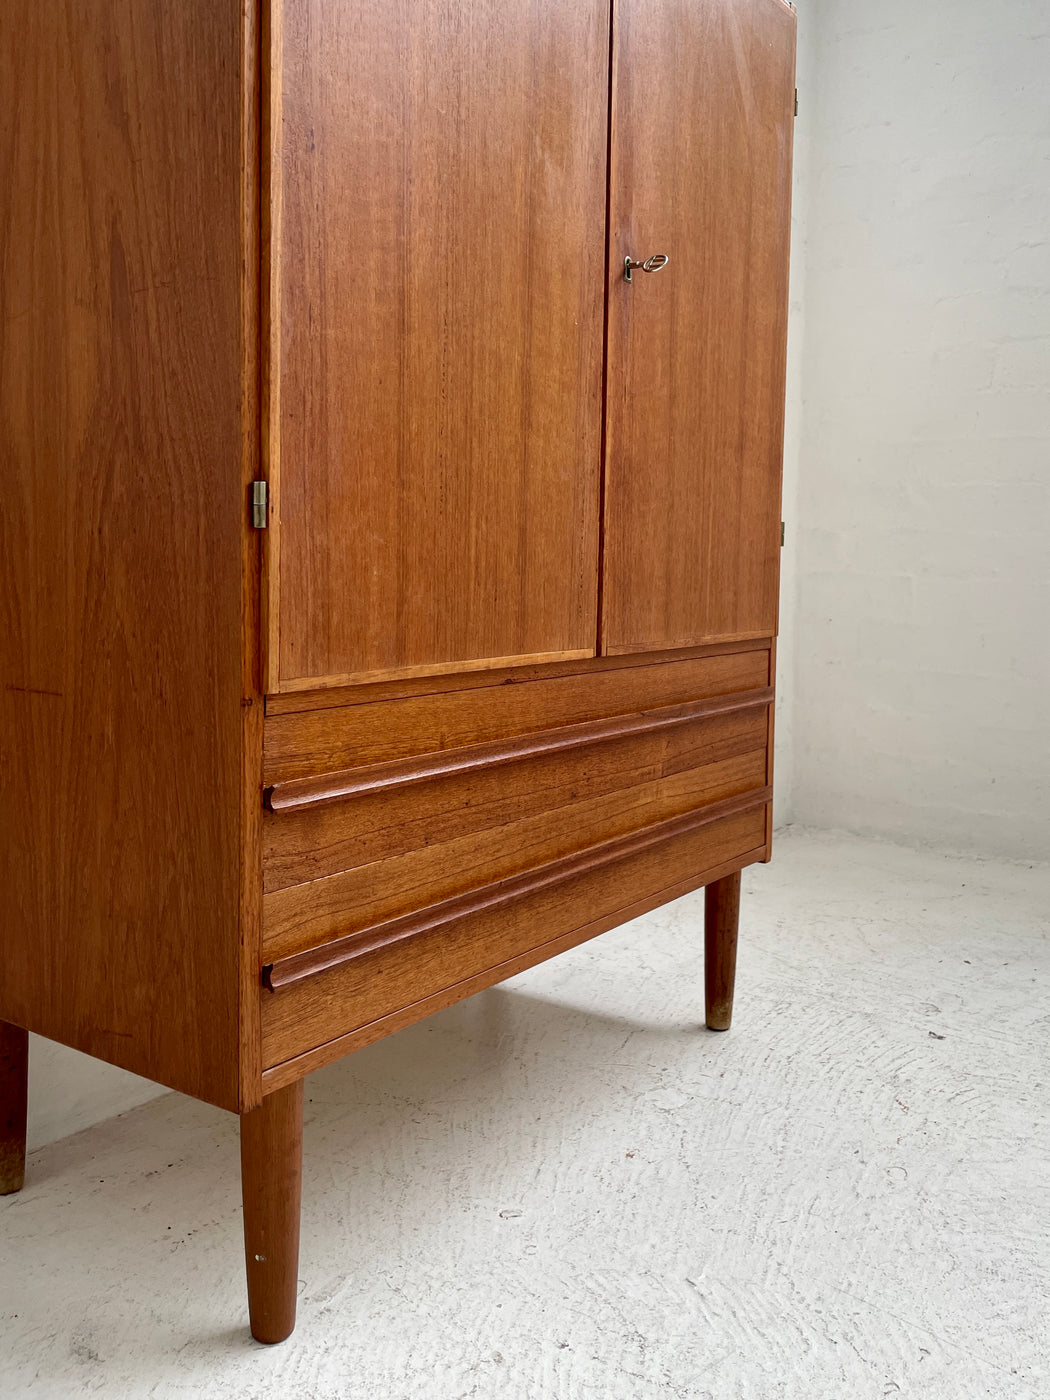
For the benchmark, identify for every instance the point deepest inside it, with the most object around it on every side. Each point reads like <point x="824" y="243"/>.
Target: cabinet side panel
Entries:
<point x="122" y="519"/>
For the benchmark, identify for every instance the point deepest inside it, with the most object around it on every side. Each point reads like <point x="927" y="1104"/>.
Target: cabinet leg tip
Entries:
<point x="272" y="1338"/>
<point x="12" y="1170"/>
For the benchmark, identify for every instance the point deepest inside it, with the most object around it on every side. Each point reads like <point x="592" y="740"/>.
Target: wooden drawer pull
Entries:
<point x="308" y="964"/>
<point x="350" y="782"/>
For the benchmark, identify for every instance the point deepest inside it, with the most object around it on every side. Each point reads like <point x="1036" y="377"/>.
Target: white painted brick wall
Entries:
<point x="805" y="77"/>
<point x="921" y="696"/>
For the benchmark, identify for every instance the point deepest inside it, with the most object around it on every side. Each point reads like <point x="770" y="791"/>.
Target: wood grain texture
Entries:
<point x="308" y="915"/>
<point x="417" y="962"/>
<point x="14" y="1079"/>
<point x="702" y="118"/>
<point x="488" y="678"/>
<point x="478" y="678"/>
<point x="721" y="921"/>
<point x="252" y="614"/>
<point x="309" y="743"/>
<point x="287" y="1071"/>
<point x="308" y="843"/>
<point x="481" y="758"/>
<point x="312" y="684"/>
<point x="441" y="194"/>
<point x="271" y="216"/>
<point x="271" y="1190"/>
<point x="123" y="394"/>
<point x="578" y="860"/>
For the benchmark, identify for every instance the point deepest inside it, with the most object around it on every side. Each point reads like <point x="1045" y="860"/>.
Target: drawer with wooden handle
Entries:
<point x="393" y="883"/>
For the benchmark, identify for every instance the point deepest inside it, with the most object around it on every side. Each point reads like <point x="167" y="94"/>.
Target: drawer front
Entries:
<point x="477" y="826"/>
<point x="303" y="744"/>
<point x="344" y="864"/>
<point x="406" y="972"/>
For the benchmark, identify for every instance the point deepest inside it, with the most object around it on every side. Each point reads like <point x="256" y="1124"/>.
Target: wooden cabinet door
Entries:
<point x="436" y="304"/>
<point x="702" y="114"/>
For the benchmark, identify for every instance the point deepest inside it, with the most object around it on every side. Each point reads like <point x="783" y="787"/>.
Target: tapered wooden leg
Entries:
<point x="271" y="1188"/>
<point x="14" y="1076"/>
<point x="721" y="918"/>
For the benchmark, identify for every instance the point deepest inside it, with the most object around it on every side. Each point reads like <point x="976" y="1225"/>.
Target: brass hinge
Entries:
<point x="796" y="102"/>
<point x="260" y="499"/>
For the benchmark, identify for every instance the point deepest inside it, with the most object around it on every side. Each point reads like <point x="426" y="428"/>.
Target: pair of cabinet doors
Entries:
<point x="485" y="445"/>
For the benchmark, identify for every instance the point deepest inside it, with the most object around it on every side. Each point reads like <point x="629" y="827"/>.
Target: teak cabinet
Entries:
<point x="389" y="542"/>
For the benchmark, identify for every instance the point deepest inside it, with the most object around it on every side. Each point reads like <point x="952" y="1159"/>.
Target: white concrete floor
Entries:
<point x="566" y="1188"/>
